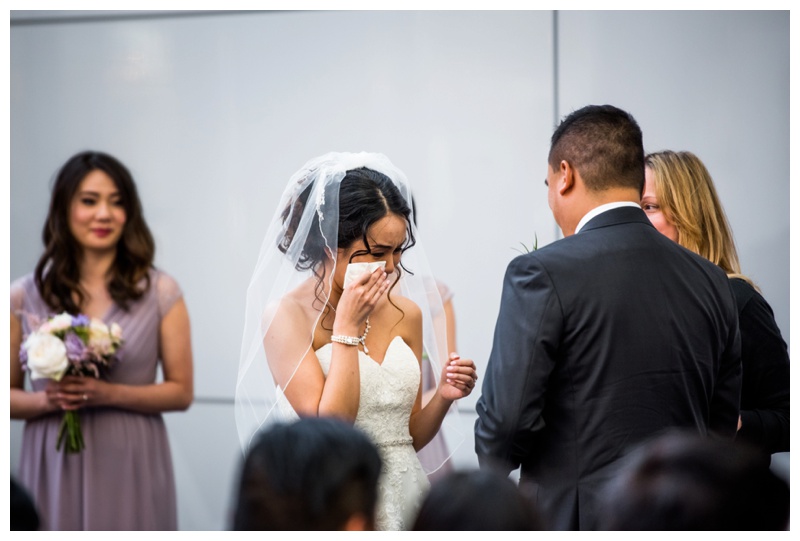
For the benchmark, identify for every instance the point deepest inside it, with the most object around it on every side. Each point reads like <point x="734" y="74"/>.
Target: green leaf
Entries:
<point x="525" y="247"/>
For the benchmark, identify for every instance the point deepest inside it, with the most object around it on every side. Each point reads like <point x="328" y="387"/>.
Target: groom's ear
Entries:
<point x="566" y="180"/>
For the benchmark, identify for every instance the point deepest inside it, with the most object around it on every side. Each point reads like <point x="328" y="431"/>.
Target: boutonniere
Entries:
<point x="533" y="248"/>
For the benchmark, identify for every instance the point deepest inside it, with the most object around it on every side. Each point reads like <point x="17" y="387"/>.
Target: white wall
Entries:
<point x="715" y="83"/>
<point x="213" y="113"/>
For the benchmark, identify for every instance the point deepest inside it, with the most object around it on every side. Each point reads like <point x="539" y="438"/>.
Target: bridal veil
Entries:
<point x="309" y="210"/>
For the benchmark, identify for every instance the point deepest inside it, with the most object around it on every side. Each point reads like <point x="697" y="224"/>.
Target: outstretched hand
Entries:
<point x="458" y="378"/>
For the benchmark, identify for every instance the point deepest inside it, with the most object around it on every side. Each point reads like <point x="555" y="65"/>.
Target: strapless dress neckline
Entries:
<point x="370" y="357"/>
<point x="388" y="392"/>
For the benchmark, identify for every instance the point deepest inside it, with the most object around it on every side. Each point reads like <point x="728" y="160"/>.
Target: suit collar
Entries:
<point x="616" y="216"/>
<point x="603" y="208"/>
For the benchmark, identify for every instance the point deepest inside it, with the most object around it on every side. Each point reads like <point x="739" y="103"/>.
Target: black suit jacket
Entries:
<point x="604" y="339"/>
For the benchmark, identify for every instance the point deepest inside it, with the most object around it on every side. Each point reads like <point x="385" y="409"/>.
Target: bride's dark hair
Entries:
<point x="365" y="196"/>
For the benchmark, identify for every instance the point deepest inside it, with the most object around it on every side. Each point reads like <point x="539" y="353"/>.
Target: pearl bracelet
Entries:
<point x="346" y="340"/>
<point x="353" y="340"/>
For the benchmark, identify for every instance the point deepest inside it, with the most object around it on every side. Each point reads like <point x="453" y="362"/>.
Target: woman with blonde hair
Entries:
<point x="682" y="203"/>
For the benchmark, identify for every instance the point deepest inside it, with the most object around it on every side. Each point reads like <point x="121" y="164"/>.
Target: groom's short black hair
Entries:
<point x="604" y="143"/>
<point x="312" y="474"/>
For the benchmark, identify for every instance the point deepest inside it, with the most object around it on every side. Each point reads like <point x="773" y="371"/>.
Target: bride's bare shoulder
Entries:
<point x="408" y="307"/>
<point x="297" y="305"/>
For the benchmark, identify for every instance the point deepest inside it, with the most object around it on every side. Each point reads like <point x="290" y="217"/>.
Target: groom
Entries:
<point x="606" y="337"/>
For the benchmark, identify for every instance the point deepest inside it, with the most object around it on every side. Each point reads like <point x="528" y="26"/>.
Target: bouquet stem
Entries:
<point x="70" y="433"/>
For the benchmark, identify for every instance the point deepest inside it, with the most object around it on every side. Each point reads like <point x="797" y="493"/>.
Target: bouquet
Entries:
<point x="67" y="345"/>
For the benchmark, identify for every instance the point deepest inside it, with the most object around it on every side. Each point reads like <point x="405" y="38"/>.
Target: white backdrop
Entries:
<point x="213" y="113"/>
<point x="714" y="83"/>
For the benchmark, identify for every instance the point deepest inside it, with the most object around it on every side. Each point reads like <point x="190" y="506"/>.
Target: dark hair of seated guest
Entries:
<point x="313" y="474"/>
<point x="477" y="500"/>
<point x="24" y="516"/>
<point x="681" y="481"/>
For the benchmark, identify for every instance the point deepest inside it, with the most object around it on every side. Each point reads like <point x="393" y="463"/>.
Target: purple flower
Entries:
<point x="80" y="321"/>
<point x="23" y="357"/>
<point x="75" y="347"/>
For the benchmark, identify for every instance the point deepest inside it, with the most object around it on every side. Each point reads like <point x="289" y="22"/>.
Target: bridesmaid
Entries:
<point x="98" y="261"/>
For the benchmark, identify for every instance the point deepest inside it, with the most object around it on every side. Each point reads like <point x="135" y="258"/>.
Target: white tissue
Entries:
<point x="354" y="270"/>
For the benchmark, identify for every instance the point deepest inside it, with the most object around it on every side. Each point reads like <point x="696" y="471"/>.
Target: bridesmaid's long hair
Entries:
<point x="57" y="274"/>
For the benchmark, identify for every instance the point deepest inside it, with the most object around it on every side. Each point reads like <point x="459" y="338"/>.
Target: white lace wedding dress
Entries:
<point x="388" y="391"/>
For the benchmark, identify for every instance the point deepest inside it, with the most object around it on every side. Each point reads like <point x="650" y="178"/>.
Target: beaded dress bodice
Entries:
<point x="388" y="392"/>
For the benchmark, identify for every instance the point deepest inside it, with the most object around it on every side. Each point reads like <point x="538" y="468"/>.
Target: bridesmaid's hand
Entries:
<point x="75" y="392"/>
<point x="458" y="378"/>
<point x="53" y="396"/>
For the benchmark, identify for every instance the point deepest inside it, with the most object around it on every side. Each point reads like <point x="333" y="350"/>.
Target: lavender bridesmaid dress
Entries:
<point x="123" y="479"/>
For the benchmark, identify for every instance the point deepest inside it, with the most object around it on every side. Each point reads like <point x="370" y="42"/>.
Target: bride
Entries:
<point x="338" y="322"/>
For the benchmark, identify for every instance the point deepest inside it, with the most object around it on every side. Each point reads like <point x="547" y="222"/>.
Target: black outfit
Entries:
<point x="765" y="373"/>
<point x="604" y="339"/>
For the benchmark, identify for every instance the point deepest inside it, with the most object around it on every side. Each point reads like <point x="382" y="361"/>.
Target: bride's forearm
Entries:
<point x="342" y="388"/>
<point x="425" y="423"/>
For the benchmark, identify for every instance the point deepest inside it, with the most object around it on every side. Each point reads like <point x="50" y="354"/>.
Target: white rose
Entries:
<point x="47" y="356"/>
<point x="116" y="332"/>
<point x="100" y="337"/>
<point x="61" y="322"/>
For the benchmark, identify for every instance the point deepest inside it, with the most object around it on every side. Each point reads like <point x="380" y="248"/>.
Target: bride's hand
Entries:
<point x="358" y="301"/>
<point x="458" y="378"/>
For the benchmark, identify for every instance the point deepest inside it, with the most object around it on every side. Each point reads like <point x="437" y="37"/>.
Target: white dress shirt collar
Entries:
<point x="603" y="208"/>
